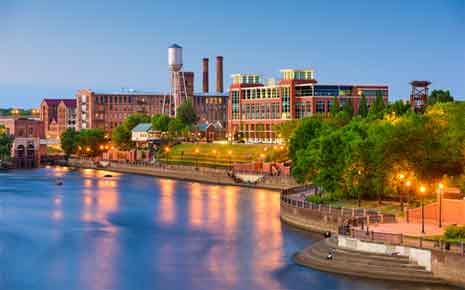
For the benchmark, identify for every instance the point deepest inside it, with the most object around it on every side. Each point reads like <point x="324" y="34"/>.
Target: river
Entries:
<point x="139" y="232"/>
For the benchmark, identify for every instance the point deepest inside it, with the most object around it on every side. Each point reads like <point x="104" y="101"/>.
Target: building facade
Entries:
<point x="108" y="110"/>
<point x="254" y="108"/>
<point x="27" y="148"/>
<point x="57" y="115"/>
<point x="211" y="107"/>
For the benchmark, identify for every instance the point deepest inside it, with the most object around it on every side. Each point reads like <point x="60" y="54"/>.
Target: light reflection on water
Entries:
<point x="139" y="232"/>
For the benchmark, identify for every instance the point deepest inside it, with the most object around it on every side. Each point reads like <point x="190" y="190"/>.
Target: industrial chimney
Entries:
<point x="205" y="75"/>
<point x="219" y="74"/>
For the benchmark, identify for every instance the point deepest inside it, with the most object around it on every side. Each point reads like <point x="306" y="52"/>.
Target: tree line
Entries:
<point x="362" y="155"/>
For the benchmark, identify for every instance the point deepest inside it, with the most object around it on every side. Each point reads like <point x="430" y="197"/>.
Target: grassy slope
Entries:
<point x="241" y="153"/>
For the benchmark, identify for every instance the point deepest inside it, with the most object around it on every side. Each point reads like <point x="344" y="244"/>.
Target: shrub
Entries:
<point x="319" y="199"/>
<point x="454" y="232"/>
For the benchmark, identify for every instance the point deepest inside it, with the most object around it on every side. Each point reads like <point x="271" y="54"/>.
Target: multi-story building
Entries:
<point x="108" y="110"/>
<point x="254" y="108"/>
<point x="212" y="106"/>
<point x="57" y="115"/>
<point x="28" y="133"/>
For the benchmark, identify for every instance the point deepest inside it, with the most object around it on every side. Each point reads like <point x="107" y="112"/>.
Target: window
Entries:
<point x="320" y="106"/>
<point x="286" y="99"/>
<point x="235" y="104"/>
<point x="321" y="90"/>
<point x="304" y="91"/>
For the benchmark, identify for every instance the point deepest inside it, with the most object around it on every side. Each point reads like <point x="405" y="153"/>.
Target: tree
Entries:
<point x="286" y="129"/>
<point x="90" y="141"/>
<point x="348" y="108"/>
<point x="175" y="127"/>
<point x="135" y="119"/>
<point x="6" y="141"/>
<point x="377" y="107"/>
<point x="440" y="96"/>
<point x="186" y="114"/>
<point x="399" y="107"/>
<point x="121" y="135"/>
<point x="363" y="106"/>
<point x="69" y="142"/>
<point x="160" y="122"/>
<point x="335" y="108"/>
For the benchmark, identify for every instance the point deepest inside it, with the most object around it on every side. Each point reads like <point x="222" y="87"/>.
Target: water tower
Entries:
<point x="419" y="95"/>
<point x="178" y="82"/>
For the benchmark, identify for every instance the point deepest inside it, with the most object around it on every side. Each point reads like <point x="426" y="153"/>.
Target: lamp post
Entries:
<point x="359" y="194"/>
<point x="401" y="200"/>
<point x="422" y="193"/>
<point x="441" y="192"/>
<point x="167" y="150"/>
<point x="407" y="184"/>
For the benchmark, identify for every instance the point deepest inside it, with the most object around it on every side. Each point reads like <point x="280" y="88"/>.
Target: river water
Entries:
<point x="138" y="232"/>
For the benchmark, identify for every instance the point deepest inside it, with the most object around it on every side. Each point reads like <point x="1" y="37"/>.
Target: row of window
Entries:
<point x="128" y="99"/>
<point x="261" y="111"/>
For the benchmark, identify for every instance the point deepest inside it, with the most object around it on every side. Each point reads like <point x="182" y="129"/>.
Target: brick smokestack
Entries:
<point x="205" y="75"/>
<point x="219" y="74"/>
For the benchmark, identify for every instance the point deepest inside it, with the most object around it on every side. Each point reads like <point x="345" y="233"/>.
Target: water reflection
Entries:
<point x="129" y="232"/>
<point x="167" y="201"/>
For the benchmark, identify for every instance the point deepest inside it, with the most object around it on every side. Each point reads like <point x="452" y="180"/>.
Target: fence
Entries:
<point x="404" y="240"/>
<point x="452" y="212"/>
<point x="360" y="216"/>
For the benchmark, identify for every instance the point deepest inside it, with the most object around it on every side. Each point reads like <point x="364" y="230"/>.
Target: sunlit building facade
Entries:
<point x="254" y="107"/>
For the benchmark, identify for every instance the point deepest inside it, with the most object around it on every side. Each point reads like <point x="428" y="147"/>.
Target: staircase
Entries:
<point x="362" y="264"/>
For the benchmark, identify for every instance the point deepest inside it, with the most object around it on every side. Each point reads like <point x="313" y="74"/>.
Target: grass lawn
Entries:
<point x="387" y="207"/>
<point x="218" y="154"/>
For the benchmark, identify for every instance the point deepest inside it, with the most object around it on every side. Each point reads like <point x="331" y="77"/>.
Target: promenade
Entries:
<point x="189" y="173"/>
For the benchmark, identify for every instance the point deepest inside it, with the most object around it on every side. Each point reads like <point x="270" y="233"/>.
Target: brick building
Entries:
<point x="27" y="148"/>
<point x="57" y="115"/>
<point x="254" y="108"/>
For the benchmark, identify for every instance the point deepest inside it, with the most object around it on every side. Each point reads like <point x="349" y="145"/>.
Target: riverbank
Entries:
<point x="189" y="173"/>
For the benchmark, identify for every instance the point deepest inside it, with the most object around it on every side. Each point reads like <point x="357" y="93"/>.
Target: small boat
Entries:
<point x="59" y="182"/>
<point x="108" y="175"/>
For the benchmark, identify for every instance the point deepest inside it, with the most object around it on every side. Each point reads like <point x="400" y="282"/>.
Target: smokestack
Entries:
<point x="219" y="74"/>
<point x="205" y="75"/>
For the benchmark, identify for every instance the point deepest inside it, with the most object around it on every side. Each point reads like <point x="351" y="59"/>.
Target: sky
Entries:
<point x="52" y="48"/>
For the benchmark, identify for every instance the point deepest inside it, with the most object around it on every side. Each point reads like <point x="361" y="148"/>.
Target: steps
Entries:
<point x="362" y="264"/>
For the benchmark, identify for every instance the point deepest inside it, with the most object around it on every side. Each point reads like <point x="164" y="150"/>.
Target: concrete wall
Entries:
<point x="420" y="256"/>
<point x="308" y="219"/>
<point x="449" y="267"/>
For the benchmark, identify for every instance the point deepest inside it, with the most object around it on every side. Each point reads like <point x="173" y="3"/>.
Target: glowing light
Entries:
<point x="441" y="186"/>
<point x="408" y="183"/>
<point x="422" y="189"/>
<point x="401" y="176"/>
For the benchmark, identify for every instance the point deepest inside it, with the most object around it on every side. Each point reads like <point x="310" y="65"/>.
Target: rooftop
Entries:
<point x="142" y="127"/>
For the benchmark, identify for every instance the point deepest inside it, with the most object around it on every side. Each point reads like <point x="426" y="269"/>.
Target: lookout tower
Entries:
<point x="178" y="81"/>
<point x="419" y="95"/>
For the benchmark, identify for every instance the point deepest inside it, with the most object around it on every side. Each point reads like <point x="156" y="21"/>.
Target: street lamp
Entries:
<point x="422" y="193"/>
<point x="441" y="192"/>
<point x="401" y="200"/>
<point x="167" y="150"/>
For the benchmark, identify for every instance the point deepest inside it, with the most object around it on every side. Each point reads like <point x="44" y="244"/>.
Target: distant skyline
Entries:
<point x="52" y="48"/>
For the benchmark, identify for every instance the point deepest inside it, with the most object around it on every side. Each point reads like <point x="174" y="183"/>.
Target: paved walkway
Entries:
<point x="410" y="229"/>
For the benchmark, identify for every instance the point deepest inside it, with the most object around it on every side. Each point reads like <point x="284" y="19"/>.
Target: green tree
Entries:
<point x="175" y="127"/>
<point x="335" y="108"/>
<point x="363" y="106"/>
<point x="286" y="129"/>
<point x="377" y="107"/>
<point x="69" y="142"/>
<point x="121" y="135"/>
<point x="161" y="122"/>
<point x="186" y="114"/>
<point x="348" y="108"/>
<point x="135" y="119"/>
<point x="90" y="141"/>
<point x="6" y="141"/>
<point x="399" y="107"/>
<point x="440" y="96"/>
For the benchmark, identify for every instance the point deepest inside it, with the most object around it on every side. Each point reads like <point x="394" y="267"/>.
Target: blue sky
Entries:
<point x="52" y="48"/>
